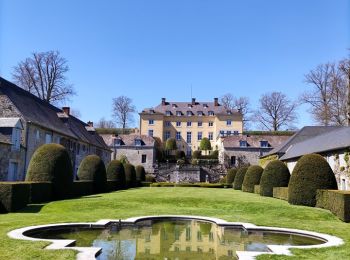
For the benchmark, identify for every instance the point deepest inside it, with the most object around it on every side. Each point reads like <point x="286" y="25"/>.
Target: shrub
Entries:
<point x="130" y="175"/>
<point x="92" y="168"/>
<point x="150" y="178"/>
<point x="83" y="188"/>
<point x="237" y="183"/>
<point x="338" y="202"/>
<point x="230" y="177"/>
<point x="170" y="144"/>
<point x="140" y="174"/>
<point x="112" y="185"/>
<point x="280" y="193"/>
<point x="251" y="178"/>
<point x="205" y="144"/>
<point x="51" y="163"/>
<point x="123" y="159"/>
<point x="115" y="172"/>
<point x="196" y="154"/>
<point x="275" y="174"/>
<point x="40" y="192"/>
<point x="14" y="196"/>
<point x="146" y="184"/>
<point x="180" y="162"/>
<point x="214" y="155"/>
<point x="311" y="172"/>
<point x="180" y="155"/>
<point x="257" y="189"/>
<point x="223" y="180"/>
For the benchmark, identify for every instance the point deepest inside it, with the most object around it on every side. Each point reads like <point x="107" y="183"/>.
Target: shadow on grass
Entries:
<point x="31" y="208"/>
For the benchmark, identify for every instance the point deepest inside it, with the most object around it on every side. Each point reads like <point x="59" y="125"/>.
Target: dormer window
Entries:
<point x="152" y="111"/>
<point x="168" y="113"/>
<point x="228" y="122"/>
<point x="178" y="113"/>
<point x="200" y="113"/>
<point x="243" y="143"/>
<point x="205" y="105"/>
<point x="264" y="144"/>
<point x="117" y="142"/>
<point x="189" y="106"/>
<point x="174" y="105"/>
<point x="210" y="113"/>
<point x="189" y="113"/>
<point x="229" y="112"/>
<point x="138" y="142"/>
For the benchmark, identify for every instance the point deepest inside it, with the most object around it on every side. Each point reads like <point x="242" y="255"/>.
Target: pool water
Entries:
<point x="172" y="239"/>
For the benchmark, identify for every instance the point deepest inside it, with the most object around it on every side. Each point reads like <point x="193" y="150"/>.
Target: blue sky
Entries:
<point x="157" y="48"/>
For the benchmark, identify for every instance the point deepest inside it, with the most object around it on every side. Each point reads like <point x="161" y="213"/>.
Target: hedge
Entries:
<point x="257" y="189"/>
<point x="198" y="185"/>
<point x="115" y="171"/>
<point x="237" y="183"/>
<point x="251" y="178"/>
<point x="312" y="172"/>
<point x="13" y="196"/>
<point x="275" y="174"/>
<point x="52" y="163"/>
<point x="112" y="185"/>
<point x="92" y="168"/>
<point x="180" y="155"/>
<point x="231" y="174"/>
<point x="130" y="175"/>
<point x="280" y="193"/>
<point x="146" y="183"/>
<point x="140" y="174"/>
<point x="83" y="188"/>
<point x="150" y="178"/>
<point x="337" y="201"/>
<point x="40" y="192"/>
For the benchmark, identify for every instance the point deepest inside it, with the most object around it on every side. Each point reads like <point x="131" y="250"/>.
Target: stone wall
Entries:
<point x="134" y="156"/>
<point x="243" y="156"/>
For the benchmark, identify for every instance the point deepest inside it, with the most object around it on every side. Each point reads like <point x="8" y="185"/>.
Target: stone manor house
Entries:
<point x="27" y="122"/>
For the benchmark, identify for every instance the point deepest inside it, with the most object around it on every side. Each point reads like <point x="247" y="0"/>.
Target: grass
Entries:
<point x="227" y="204"/>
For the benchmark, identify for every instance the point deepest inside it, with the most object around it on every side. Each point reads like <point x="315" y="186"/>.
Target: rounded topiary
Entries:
<point x="205" y="144"/>
<point x="140" y="173"/>
<point x="196" y="154"/>
<point x="252" y="178"/>
<point x="237" y="183"/>
<point x="230" y="177"/>
<point x="51" y="163"/>
<point x="170" y="144"/>
<point x="311" y="172"/>
<point x="180" y="155"/>
<point x="92" y="168"/>
<point x="115" y="172"/>
<point x="275" y="174"/>
<point x="150" y="178"/>
<point x="130" y="175"/>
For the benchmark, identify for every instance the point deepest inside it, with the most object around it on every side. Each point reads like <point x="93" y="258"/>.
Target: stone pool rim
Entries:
<point x="91" y="252"/>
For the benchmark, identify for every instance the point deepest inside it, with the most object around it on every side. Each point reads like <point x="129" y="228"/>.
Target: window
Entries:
<point x="189" y="124"/>
<point x="58" y="139"/>
<point x="210" y="113"/>
<point x="12" y="172"/>
<point x="37" y="135"/>
<point x="199" y="113"/>
<point x="167" y="135"/>
<point x="235" y="132"/>
<point x="199" y="136"/>
<point x="178" y="124"/>
<point x="48" y="138"/>
<point x="222" y="132"/>
<point x="211" y="236"/>
<point x="168" y="113"/>
<point x="200" y="124"/>
<point x="189" y="137"/>
<point x="188" y="234"/>
<point x="189" y="113"/>
<point x="228" y="122"/>
<point x="178" y="136"/>
<point x="16" y="139"/>
<point x="210" y="136"/>
<point x="150" y="133"/>
<point x="233" y="160"/>
<point x="151" y="122"/>
<point x="264" y="144"/>
<point x="118" y="142"/>
<point x="199" y="236"/>
<point x="138" y="142"/>
<point x="211" y="123"/>
<point x="229" y="252"/>
<point x="178" y="113"/>
<point x="243" y="143"/>
<point x="228" y="133"/>
<point x="189" y="152"/>
<point x="167" y="123"/>
<point x="143" y="158"/>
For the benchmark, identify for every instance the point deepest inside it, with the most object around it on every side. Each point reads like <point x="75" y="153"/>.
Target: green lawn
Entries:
<point x="226" y="204"/>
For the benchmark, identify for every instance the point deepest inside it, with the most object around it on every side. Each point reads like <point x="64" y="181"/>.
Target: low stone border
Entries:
<point x="86" y="253"/>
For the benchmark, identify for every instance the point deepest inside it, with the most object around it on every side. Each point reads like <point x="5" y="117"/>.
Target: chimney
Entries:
<point x="216" y="102"/>
<point x="90" y="124"/>
<point x="193" y="101"/>
<point x="66" y="110"/>
<point x="163" y="101"/>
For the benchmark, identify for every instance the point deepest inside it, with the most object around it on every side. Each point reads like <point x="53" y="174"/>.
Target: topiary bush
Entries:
<point x="223" y="180"/>
<point x="150" y="178"/>
<point x="115" y="172"/>
<point x="275" y="174"/>
<point x="252" y="178"/>
<point x="170" y="144"/>
<point x="230" y="177"/>
<point x="311" y="172"/>
<point x="140" y="174"/>
<point x="130" y="175"/>
<point x="237" y="183"/>
<point x="180" y="155"/>
<point x="196" y="154"/>
<point x="51" y="163"/>
<point x="92" y="168"/>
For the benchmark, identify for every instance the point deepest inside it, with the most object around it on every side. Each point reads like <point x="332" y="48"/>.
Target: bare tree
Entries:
<point x="44" y="75"/>
<point x="276" y="111"/>
<point x="242" y="104"/>
<point x="123" y="110"/>
<point x="344" y="66"/>
<point x="104" y="123"/>
<point x="75" y="112"/>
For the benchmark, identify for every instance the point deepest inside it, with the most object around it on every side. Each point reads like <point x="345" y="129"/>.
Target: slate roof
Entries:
<point x="5" y="139"/>
<point x="253" y="141"/>
<point x="303" y="134"/>
<point x="128" y="140"/>
<point x="40" y="112"/>
<point x="332" y="140"/>
<point x="183" y="107"/>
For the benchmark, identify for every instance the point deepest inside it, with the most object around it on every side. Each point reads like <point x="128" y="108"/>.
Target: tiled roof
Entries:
<point x="128" y="140"/>
<point x="194" y="109"/>
<point x="40" y="112"/>
<point x="254" y="141"/>
<point x="332" y="140"/>
<point x="303" y="134"/>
